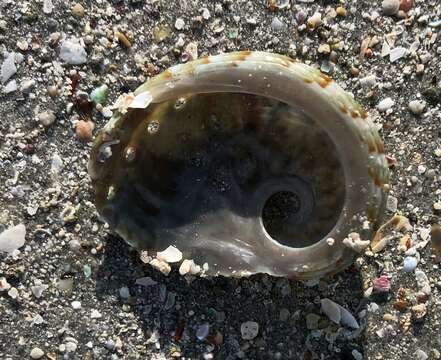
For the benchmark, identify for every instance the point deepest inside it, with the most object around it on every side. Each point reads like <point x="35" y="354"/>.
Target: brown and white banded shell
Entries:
<point x="248" y="162"/>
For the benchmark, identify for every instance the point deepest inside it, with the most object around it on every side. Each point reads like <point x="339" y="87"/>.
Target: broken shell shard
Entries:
<point x="245" y="162"/>
<point x="170" y="255"/>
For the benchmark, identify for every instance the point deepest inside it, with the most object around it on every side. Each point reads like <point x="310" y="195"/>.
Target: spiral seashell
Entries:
<point x="247" y="162"/>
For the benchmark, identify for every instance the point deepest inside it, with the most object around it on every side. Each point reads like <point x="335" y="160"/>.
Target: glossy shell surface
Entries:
<point x="247" y="162"/>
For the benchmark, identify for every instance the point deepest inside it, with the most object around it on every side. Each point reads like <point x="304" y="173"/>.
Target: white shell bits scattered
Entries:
<point x="13" y="238"/>
<point x="160" y="265"/>
<point x="385" y="104"/>
<point x="73" y="52"/>
<point x="171" y="255"/>
<point x="8" y="67"/>
<point x="354" y="242"/>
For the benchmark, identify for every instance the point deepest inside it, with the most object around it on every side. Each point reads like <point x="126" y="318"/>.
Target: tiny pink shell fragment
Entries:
<point x="382" y="284"/>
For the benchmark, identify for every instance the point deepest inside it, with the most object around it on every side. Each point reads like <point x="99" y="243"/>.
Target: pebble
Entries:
<point x="419" y="311"/>
<point x="84" y="129"/>
<point x="330" y="241"/>
<point x="87" y="270"/>
<point x="301" y="16"/>
<point x="202" y="331"/>
<point x="13" y="293"/>
<point x="95" y="314"/>
<point x="123" y="39"/>
<point x="124" y="292"/>
<point x="72" y="52"/>
<point x="4" y="285"/>
<point x="381" y="284"/>
<point x="71" y="346"/>
<point x="53" y="91"/>
<point x="76" y="305"/>
<point x="331" y="310"/>
<point x="369" y="81"/>
<point x="357" y="355"/>
<point x="160" y="265"/>
<point x="341" y="11"/>
<point x="8" y="68"/>
<point x="312" y="321"/>
<point x="78" y="10"/>
<point x="65" y="284"/>
<point x="109" y="344"/>
<point x="249" y="330"/>
<point x="421" y="169"/>
<point x="37" y="290"/>
<point x="206" y="13"/>
<point x="10" y="87"/>
<point x="12" y="238"/>
<point x="170" y="300"/>
<point x="324" y="49"/>
<point x="390" y="7"/>
<point x="170" y="255"/>
<point x="48" y="6"/>
<point x="422" y="282"/>
<point x="392" y="203"/>
<point x="191" y="51"/>
<point x="37" y="320"/>
<point x="417" y="106"/>
<point x="99" y="94"/>
<point x="389" y="317"/>
<point x="435" y="236"/>
<point x="179" y="24"/>
<point x="277" y="24"/>
<point x="161" y="32"/>
<point x="36" y="353"/>
<point x="185" y="267"/>
<point x="278" y="4"/>
<point x="406" y="5"/>
<point x="409" y="264"/>
<point x="27" y="86"/>
<point x="56" y="164"/>
<point x="315" y="20"/>
<point x="145" y="281"/>
<point x="421" y="355"/>
<point x="385" y="104"/>
<point x="46" y="118"/>
<point x="284" y="314"/>
<point x="338" y="314"/>
<point x="397" y="53"/>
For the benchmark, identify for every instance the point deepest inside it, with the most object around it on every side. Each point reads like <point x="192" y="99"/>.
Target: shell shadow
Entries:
<point x="175" y="304"/>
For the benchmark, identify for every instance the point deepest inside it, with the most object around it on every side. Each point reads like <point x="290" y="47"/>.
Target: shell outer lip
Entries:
<point x="275" y="76"/>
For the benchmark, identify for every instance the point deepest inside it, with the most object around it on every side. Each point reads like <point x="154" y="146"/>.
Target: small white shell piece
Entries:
<point x="141" y="101"/>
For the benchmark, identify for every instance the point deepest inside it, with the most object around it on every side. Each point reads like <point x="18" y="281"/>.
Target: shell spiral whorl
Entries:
<point x="246" y="161"/>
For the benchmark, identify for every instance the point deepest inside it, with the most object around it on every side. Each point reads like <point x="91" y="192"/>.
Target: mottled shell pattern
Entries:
<point x="247" y="162"/>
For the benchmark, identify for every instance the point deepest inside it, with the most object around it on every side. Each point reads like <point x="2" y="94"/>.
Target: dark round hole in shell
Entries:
<point x="279" y="209"/>
<point x="286" y="213"/>
<point x="217" y="170"/>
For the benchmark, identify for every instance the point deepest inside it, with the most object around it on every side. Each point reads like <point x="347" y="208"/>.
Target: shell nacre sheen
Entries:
<point x="247" y="162"/>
